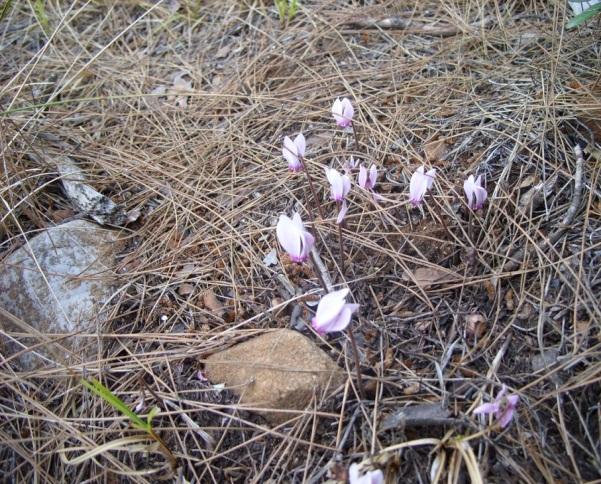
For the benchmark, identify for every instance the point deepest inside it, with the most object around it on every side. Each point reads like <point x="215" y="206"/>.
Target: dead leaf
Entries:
<point x="211" y="302"/>
<point x="491" y="290"/>
<point x="435" y="150"/>
<point x="475" y="325"/>
<point x="425" y="277"/>
<point x="185" y="289"/>
<point x="509" y="304"/>
<point x="535" y="197"/>
<point x="320" y="140"/>
<point x="411" y="389"/>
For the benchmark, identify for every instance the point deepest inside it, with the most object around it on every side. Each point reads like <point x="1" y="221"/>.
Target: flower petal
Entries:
<point x="289" y="236"/>
<point x="487" y="408"/>
<point x="289" y="151"/>
<point x="505" y="417"/>
<point x="430" y="175"/>
<point x="346" y="185"/>
<point x="329" y="306"/>
<point x="362" y="180"/>
<point x="342" y="212"/>
<point x="301" y="144"/>
<point x="342" y="320"/>
<point x="373" y="175"/>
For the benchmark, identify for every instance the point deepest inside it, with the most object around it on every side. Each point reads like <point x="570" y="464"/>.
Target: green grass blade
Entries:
<point x="103" y="392"/>
<point x="5" y="9"/>
<point x="584" y="16"/>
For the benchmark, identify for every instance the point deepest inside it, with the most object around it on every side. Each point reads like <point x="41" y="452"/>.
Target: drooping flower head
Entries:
<point x="503" y="407"/>
<point x="420" y="183"/>
<point x="294" y="238"/>
<point x="294" y="152"/>
<point x="476" y="195"/>
<point x="343" y="111"/>
<point x="340" y="184"/>
<point x="367" y="179"/>
<point x="350" y="165"/>
<point x="370" y="477"/>
<point x="333" y="312"/>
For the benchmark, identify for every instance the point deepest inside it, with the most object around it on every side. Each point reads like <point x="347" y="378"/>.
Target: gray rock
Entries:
<point x="57" y="283"/>
<point x="279" y="370"/>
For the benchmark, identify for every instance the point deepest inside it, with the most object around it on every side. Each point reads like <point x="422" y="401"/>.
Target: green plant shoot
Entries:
<point x="286" y="9"/>
<point x="103" y="392"/>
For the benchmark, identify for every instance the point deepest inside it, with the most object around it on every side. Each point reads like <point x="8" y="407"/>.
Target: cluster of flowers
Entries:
<point x="333" y="312"/>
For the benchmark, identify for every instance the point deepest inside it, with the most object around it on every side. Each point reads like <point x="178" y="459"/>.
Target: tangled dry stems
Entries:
<point x="502" y="87"/>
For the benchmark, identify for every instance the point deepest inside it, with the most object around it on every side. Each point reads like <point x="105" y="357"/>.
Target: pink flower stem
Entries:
<point x="310" y="180"/>
<point x="470" y="226"/>
<point x="357" y="364"/>
<point x="340" y="243"/>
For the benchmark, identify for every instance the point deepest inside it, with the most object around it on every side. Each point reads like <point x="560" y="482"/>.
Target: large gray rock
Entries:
<point x="57" y="283"/>
<point x="279" y="370"/>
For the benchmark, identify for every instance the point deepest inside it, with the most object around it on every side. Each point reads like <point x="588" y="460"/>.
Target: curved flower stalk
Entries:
<point x="420" y="183"/>
<point x="294" y="152"/>
<point x="343" y="112"/>
<point x="293" y="237"/>
<point x="503" y="407"/>
<point x="474" y="192"/>
<point x="333" y="312"/>
<point x="370" y="477"/>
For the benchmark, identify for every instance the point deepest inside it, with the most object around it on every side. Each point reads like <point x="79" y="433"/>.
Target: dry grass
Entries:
<point x="501" y="84"/>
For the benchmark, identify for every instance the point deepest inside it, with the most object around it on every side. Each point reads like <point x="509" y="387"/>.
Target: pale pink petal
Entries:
<point x="337" y="111"/>
<point x="296" y="219"/>
<point x="289" y="236"/>
<point x="505" y="417"/>
<point x="329" y="306"/>
<point x="347" y="110"/>
<point x="513" y="400"/>
<point x="301" y="144"/>
<point x="290" y="154"/>
<point x="481" y="196"/>
<point x="487" y="408"/>
<point x="343" y="319"/>
<point x="373" y="176"/>
<point x="336" y="183"/>
<point x="362" y="177"/>
<point x="342" y="212"/>
<point x="430" y="175"/>
<point x="346" y="185"/>
<point x="308" y="242"/>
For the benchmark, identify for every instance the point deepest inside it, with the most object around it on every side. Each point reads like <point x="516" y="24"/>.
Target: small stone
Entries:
<point x="58" y="283"/>
<point x="279" y="370"/>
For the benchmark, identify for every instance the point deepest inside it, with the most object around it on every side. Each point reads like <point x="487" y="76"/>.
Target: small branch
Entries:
<point x="413" y="27"/>
<point x="356" y="135"/>
<point x="321" y="271"/>
<point x="518" y="256"/>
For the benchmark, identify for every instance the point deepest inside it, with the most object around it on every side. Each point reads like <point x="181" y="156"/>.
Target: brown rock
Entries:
<point x="280" y="370"/>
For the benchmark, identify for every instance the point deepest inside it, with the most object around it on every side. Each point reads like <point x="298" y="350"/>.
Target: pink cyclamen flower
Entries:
<point x="294" y="152"/>
<point x="475" y="193"/>
<point x="340" y="184"/>
<point x="420" y="183"/>
<point x="343" y="112"/>
<point x="294" y="238"/>
<point x="370" y="477"/>
<point x="368" y="180"/>
<point x="503" y="407"/>
<point x="333" y="312"/>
